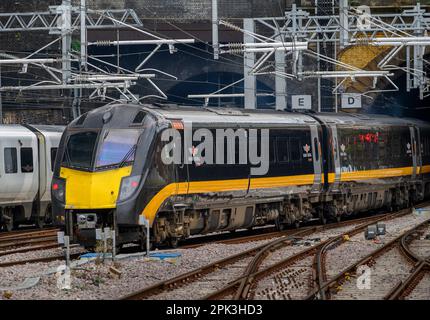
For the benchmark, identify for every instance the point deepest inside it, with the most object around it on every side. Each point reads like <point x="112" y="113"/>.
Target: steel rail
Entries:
<point x="243" y="285"/>
<point x="325" y="286"/>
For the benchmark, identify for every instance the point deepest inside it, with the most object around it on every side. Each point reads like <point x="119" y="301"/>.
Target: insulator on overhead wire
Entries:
<point x="103" y="43"/>
<point x="362" y="41"/>
<point x="231" y="26"/>
<point x="235" y="45"/>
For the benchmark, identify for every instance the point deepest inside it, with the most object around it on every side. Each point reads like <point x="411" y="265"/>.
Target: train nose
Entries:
<point x="93" y="190"/>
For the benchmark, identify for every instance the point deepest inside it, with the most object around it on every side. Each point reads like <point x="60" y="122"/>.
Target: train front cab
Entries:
<point x="98" y="177"/>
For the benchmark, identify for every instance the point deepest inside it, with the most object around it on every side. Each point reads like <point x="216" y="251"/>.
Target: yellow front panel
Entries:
<point x="93" y="190"/>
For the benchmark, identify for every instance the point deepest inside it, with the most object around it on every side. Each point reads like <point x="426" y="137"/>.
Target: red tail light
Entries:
<point x="58" y="191"/>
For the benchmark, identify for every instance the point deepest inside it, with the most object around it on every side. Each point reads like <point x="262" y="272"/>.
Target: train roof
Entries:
<point x="275" y="116"/>
<point x="344" y="118"/>
<point x="21" y="130"/>
<point x="14" y="130"/>
<point x="123" y="114"/>
<point x="49" y="128"/>
<point x="236" y="115"/>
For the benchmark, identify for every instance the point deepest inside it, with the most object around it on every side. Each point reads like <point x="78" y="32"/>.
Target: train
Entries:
<point x="27" y="157"/>
<point x="127" y="167"/>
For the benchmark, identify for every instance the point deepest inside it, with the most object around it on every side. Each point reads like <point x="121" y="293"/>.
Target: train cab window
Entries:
<point x="53" y="156"/>
<point x="10" y="160"/>
<point x="282" y="149"/>
<point x="295" y="149"/>
<point x="79" y="150"/>
<point x="26" y="160"/>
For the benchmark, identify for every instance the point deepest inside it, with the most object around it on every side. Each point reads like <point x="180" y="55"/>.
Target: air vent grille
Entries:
<point x="140" y="116"/>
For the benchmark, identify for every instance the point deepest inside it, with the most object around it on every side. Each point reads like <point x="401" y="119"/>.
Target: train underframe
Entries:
<point x="295" y="209"/>
<point x="38" y="213"/>
<point x="186" y="216"/>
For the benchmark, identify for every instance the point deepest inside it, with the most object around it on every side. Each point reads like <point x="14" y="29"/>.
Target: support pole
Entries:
<point x="147" y="239"/>
<point x="113" y="233"/>
<point x="1" y="101"/>
<point x="319" y="78"/>
<point x="105" y="235"/>
<point x="408" y="68"/>
<point x="343" y="19"/>
<point x="248" y="62"/>
<point x="84" y="41"/>
<point x="418" y="56"/>
<point x="215" y="43"/>
<point x="67" y="245"/>
<point x="280" y="82"/>
<point x="66" y="19"/>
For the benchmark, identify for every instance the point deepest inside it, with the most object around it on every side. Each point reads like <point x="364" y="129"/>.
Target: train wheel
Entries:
<point x="142" y="245"/>
<point x="173" y="242"/>
<point x="279" y="225"/>
<point x="40" y="223"/>
<point x="118" y="248"/>
<point x="8" y="221"/>
<point x="323" y="220"/>
<point x="338" y="218"/>
<point x="297" y="224"/>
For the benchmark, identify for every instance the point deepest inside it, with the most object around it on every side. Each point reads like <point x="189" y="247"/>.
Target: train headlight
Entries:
<point x="128" y="186"/>
<point x="82" y="219"/>
<point x="59" y="189"/>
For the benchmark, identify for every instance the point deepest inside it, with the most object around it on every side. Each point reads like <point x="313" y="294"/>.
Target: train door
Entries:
<point x="416" y="156"/>
<point x="181" y="168"/>
<point x="336" y="157"/>
<point x="41" y="143"/>
<point x="316" y="146"/>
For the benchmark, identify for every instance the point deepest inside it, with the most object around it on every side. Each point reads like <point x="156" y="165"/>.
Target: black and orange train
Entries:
<point x="110" y="171"/>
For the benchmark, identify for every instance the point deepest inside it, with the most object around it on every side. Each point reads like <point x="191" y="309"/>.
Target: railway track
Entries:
<point x="234" y="276"/>
<point x="290" y="277"/>
<point x="24" y="241"/>
<point x="21" y="234"/>
<point x="38" y="260"/>
<point x="248" y="235"/>
<point x="384" y="266"/>
<point x="420" y="274"/>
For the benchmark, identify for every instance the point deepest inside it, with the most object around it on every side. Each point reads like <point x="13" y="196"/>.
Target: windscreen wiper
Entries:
<point x="127" y="156"/>
<point x="66" y="153"/>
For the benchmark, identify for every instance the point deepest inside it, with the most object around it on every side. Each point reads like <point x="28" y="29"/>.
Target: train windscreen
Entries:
<point x="117" y="148"/>
<point x="80" y="149"/>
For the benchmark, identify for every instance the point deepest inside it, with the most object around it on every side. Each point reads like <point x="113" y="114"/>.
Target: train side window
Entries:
<point x="295" y="149"/>
<point x="272" y="153"/>
<point x="53" y="156"/>
<point x="395" y="146"/>
<point x="10" y="160"/>
<point x="427" y="146"/>
<point x="26" y="160"/>
<point x="282" y="149"/>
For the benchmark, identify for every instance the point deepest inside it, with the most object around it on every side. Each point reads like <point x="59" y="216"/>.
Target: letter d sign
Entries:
<point x="351" y="101"/>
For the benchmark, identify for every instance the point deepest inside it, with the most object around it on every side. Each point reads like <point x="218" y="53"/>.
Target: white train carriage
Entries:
<point x="27" y="155"/>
